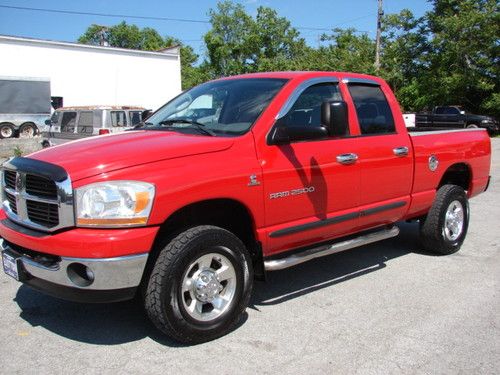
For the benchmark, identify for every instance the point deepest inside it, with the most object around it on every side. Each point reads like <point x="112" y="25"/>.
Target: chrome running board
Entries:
<point x="292" y="260"/>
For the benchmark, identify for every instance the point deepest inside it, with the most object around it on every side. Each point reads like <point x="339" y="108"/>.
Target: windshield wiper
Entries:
<point x="197" y="125"/>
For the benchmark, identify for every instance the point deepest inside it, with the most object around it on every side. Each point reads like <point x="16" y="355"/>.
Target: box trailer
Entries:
<point x="25" y="105"/>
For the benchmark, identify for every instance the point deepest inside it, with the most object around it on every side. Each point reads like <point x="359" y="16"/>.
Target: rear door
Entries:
<point x="384" y="154"/>
<point x="85" y="126"/>
<point x="68" y="126"/>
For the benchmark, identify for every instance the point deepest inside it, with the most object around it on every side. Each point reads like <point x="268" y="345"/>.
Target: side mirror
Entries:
<point x="48" y="122"/>
<point x="334" y="117"/>
<point x="283" y="135"/>
<point x="145" y="114"/>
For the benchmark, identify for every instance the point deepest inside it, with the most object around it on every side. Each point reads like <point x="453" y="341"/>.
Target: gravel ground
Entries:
<point x="381" y="309"/>
<point x="13" y="146"/>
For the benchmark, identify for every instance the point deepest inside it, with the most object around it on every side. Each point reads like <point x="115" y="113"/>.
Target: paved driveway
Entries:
<point x="383" y="308"/>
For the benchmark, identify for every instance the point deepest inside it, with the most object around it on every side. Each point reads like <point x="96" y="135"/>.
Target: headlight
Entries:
<point x="114" y="204"/>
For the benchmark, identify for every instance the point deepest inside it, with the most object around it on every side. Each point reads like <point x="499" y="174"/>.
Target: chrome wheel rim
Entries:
<point x="6" y="132"/>
<point x="454" y="221"/>
<point x="208" y="287"/>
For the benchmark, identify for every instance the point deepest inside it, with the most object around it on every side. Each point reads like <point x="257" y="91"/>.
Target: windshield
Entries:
<point x="226" y="107"/>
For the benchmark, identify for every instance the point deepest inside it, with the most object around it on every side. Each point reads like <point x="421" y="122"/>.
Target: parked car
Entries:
<point x="446" y="117"/>
<point x="232" y="179"/>
<point x="24" y="106"/>
<point x="71" y="123"/>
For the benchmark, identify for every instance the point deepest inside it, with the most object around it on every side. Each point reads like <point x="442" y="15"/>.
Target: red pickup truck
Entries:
<point x="232" y="179"/>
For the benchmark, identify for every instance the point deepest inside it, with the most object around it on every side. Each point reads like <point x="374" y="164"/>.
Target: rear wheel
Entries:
<point x="444" y="229"/>
<point x="200" y="285"/>
<point x="6" y="130"/>
<point x="27" y="130"/>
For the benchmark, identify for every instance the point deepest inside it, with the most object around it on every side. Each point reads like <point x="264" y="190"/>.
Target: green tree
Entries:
<point x="192" y="74"/>
<point x="124" y="35"/>
<point x="347" y="51"/>
<point x="465" y="53"/>
<point x="238" y="43"/>
<point x="228" y="47"/>
<point x="405" y="51"/>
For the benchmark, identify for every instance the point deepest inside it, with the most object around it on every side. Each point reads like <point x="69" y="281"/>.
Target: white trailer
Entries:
<point x="84" y="75"/>
<point x="24" y="105"/>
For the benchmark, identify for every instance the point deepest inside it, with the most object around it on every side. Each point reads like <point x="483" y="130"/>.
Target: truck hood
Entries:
<point x="96" y="155"/>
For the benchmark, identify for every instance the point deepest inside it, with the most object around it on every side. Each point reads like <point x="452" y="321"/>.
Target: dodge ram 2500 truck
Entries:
<point x="232" y="179"/>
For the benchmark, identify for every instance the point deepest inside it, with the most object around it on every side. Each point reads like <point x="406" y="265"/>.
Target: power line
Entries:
<point x="154" y="18"/>
<point x="104" y="14"/>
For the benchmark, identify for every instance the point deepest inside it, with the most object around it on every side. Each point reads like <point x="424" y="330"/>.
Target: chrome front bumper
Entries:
<point x="99" y="275"/>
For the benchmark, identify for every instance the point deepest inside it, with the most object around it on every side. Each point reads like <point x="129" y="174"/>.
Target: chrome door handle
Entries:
<point x="347" y="158"/>
<point x="401" y="151"/>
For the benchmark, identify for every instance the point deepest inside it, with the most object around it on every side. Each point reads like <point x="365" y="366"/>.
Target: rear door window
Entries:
<point x="68" y="122"/>
<point x="372" y="108"/>
<point x="118" y="118"/>
<point x="134" y="117"/>
<point x="85" y="122"/>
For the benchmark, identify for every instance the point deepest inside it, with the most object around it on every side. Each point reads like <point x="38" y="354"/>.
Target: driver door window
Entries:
<point x="306" y="111"/>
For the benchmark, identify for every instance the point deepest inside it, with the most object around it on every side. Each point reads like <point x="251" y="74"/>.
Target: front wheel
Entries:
<point x="200" y="285"/>
<point x="444" y="229"/>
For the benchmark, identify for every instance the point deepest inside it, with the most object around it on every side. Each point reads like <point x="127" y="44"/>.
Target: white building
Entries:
<point x="94" y="75"/>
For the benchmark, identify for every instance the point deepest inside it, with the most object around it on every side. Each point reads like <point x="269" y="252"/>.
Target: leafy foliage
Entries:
<point x="239" y="43"/>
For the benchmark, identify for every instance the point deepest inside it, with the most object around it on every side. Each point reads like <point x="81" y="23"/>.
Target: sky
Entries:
<point x="303" y="14"/>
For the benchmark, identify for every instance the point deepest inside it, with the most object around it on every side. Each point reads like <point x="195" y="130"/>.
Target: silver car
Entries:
<point x="71" y="123"/>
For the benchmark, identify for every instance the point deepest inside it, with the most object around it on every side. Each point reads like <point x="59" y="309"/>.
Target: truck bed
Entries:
<point x="461" y="148"/>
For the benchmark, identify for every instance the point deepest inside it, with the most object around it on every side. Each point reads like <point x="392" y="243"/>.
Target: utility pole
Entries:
<point x="379" y="26"/>
<point x="103" y="37"/>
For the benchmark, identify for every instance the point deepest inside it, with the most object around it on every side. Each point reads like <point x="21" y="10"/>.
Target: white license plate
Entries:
<point x="10" y="265"/>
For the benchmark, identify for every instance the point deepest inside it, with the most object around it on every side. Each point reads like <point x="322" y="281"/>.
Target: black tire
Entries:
<point x="435" y="232"/>
<point x="28" y="130"/>
<point x="165" y="300"/>
<point x="6" y="130"/>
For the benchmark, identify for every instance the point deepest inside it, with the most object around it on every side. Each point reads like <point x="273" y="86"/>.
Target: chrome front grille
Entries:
<point x="40" y="186"/>
<point x="12" y="202"/>
<point x="10" y="179"/>
<point x="42" y="213"/>
<point x="36" y="201"/>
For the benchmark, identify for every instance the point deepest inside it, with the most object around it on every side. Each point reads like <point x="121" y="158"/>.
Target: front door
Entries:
<point x="309" y="196"/>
